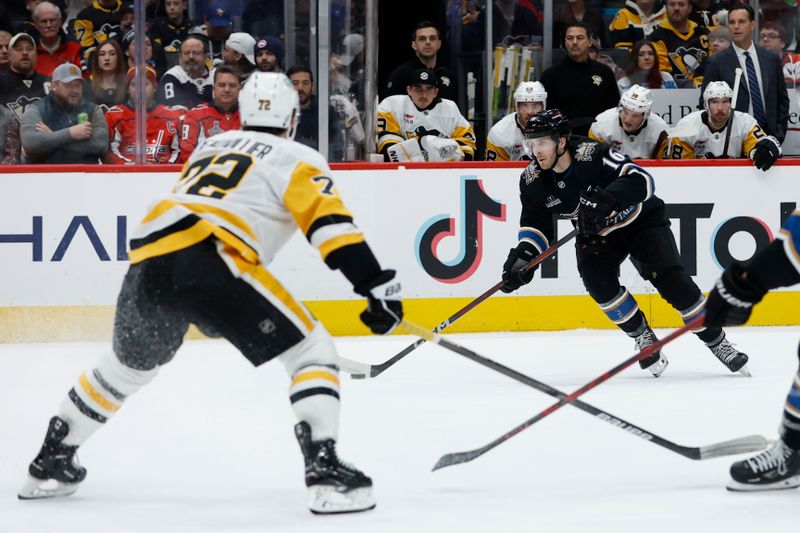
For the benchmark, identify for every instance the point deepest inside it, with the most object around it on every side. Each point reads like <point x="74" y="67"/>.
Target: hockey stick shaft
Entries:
<point x="463" y="457"/>
<point x="362" y="371"/>
<point x="736" y="81"/>
<point x="741" y="445"/>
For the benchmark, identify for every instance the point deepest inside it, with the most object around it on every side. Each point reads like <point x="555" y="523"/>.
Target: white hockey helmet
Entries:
<point x="717" y="89"/>
<point x="269" y="100"/>
<point x="637" y="99"/>
<point x="531" y="91"/>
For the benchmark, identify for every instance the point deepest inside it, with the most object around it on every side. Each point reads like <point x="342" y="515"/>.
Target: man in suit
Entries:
<point x="762" y="74"/>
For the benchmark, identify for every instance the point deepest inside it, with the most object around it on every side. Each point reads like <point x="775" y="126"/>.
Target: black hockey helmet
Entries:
<point x="547" y="123"/>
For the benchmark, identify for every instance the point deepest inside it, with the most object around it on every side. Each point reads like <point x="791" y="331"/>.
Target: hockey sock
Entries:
<point x="710" y="336"/>
<point x="314" y="394"/>
<point x="623" y="311"/>
<point x="98" y="394"/>
<point x="790" y="428"/>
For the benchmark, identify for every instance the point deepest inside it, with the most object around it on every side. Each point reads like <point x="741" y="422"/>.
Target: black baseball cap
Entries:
<point x="423" y="76"/>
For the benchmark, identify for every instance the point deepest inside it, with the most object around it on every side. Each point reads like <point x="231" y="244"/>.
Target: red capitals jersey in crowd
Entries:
<point x="163" y="139"/>
<point x="204" y="121"/>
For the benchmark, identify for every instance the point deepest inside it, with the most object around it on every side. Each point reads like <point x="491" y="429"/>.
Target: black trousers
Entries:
<point x="161" y="296"/>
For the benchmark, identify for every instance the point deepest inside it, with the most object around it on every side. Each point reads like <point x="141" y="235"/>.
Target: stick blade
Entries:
<point x="750" y="443"/>
<point x="450" y="459"/>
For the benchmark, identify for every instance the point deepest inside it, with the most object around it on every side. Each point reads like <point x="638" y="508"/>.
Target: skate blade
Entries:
<point x="37" y="489"/>
<point x="325" y="499"/>
<point x="659" y="367"/>
<point x="745" y="372"/>
<point x="788" y="483"/>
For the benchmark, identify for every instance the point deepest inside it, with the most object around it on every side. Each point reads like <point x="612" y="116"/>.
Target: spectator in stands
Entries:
<point x="426" y="42"/>
<point x="762" y="92"/>
<point x="28" y="26"/>
<point x="222" y="114"/>
<point x="238" y="54"/>
<point x="126" y="19"/>
<point x="421" y="126"/>
<point x="681" y="45"/>
<point x="348" y="67"/>
<point x="704" y="12"/>
<point x="187" y="84"/>
<point x="218" y="26"/>
<point x="63" y="127"/>
<point x="22" y="86"/>
<point x="772" y="36"/>
<point x="308" y="123"/>
<point x="169" y="32"/>
<point x="596" y="54"/>
<point x="5" y="38"/>
<point x="96" y="23"/>
<point x="269" y="54"/>
<point x="643" y="69"/>
<point x="567" y="13"/>
<point x="152" y="56"/>
<point x="10" y="147"/>
<point x="528" y="19"/>
<point x="54" y="47"/>
<point x="719" y="39"/>
<point x="636" y="21"/>
<point x="579" y="87"/>
<point x="163" y="127"/>
<point x="108" y="84"/>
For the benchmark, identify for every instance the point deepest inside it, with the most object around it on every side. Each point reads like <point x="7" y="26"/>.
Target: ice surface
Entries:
<point x="208" y="446"/>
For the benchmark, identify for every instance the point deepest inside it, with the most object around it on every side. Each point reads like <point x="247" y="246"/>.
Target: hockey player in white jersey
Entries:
<point x="747" y="139"/>
<point x="505" y="141"/>
<point x="200" y="257"/>
<point x="420" y="126"/>
<point x="630" y="128"/>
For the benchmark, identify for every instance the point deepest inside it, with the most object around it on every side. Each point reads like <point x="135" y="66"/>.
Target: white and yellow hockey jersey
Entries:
<point x="399" y="118"/>
<point x="649" y="143"/>
<point x="250" y="190"/>
<point x="745" y="134"/>
<point x="505" y="141"/>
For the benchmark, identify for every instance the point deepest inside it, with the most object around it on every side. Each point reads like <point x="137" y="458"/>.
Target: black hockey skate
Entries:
<point x="777" y="467"/>
<point x="55" y="470"/>
<point x="657" y="362"/>
<point x="334" y="486"/>
<point x="729" y="356"/>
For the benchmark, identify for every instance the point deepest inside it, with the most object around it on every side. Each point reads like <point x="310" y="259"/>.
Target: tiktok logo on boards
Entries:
<point x="475" y="204"/>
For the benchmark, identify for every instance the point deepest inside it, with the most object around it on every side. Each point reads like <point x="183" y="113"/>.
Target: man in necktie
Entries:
<point x="762" y="92"/>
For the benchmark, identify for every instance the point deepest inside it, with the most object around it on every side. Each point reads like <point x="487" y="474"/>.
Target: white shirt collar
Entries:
<point x="741" y="51"/>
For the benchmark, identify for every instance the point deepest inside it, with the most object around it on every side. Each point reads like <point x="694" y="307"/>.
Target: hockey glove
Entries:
<point x="766" y="152"/>
<point x="596" y="206"/>
<point x="437" y="149"/>
<point x="384" y="308"/>
<point x="513" y="275"/>
<point x="731" y="301"/>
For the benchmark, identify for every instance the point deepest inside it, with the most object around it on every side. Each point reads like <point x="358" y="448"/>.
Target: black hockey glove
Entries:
<point x="766" y="152"/>
<point x="596" y="205"/>
<point x="421" y="132"/>
<point x="518" y="258"/>
<point x="731" y="301"/>
<point x="384" y="306"/>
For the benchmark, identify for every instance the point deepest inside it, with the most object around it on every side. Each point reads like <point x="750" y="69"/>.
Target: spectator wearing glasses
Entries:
<point x="54" y="47"/>
<point x="772" y="36"/>
<point x="187" y="84"/>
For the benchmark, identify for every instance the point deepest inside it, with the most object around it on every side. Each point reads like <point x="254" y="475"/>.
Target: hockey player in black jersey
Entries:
<point x="730" y="304"/>
<point x="611" y="200"/>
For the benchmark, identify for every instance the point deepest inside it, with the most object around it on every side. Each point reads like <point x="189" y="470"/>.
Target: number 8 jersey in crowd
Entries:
<point x="251" y="191"/>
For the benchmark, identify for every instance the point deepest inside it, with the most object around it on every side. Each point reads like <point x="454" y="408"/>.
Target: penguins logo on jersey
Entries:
<point x="106" y="31"/>
<point x="20" y="105"/>
<point x="688" y="60"/>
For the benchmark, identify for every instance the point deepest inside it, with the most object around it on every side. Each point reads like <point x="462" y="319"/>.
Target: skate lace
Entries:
<point x="645" y="339"/>
<point x="725" y="351"/>
<point x="774" y="457"/>
<point x="333" y="457"/>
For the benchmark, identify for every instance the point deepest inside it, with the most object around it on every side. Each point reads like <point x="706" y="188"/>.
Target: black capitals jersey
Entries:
<point x="17" y="91"/>
<point x="545" y="193"/>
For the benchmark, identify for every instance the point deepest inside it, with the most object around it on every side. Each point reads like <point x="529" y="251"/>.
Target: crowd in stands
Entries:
<point x="50" y="114"/>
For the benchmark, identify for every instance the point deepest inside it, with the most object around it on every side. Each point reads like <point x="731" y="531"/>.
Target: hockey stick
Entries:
<point x="736" y="81"/>
<point x="731" y="447"/>
<point x="359" y="370"/>
<point x="463" y="457"/>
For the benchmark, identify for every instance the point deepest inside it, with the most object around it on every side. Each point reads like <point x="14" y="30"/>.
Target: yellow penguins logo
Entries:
<point x="688" y="60"/>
